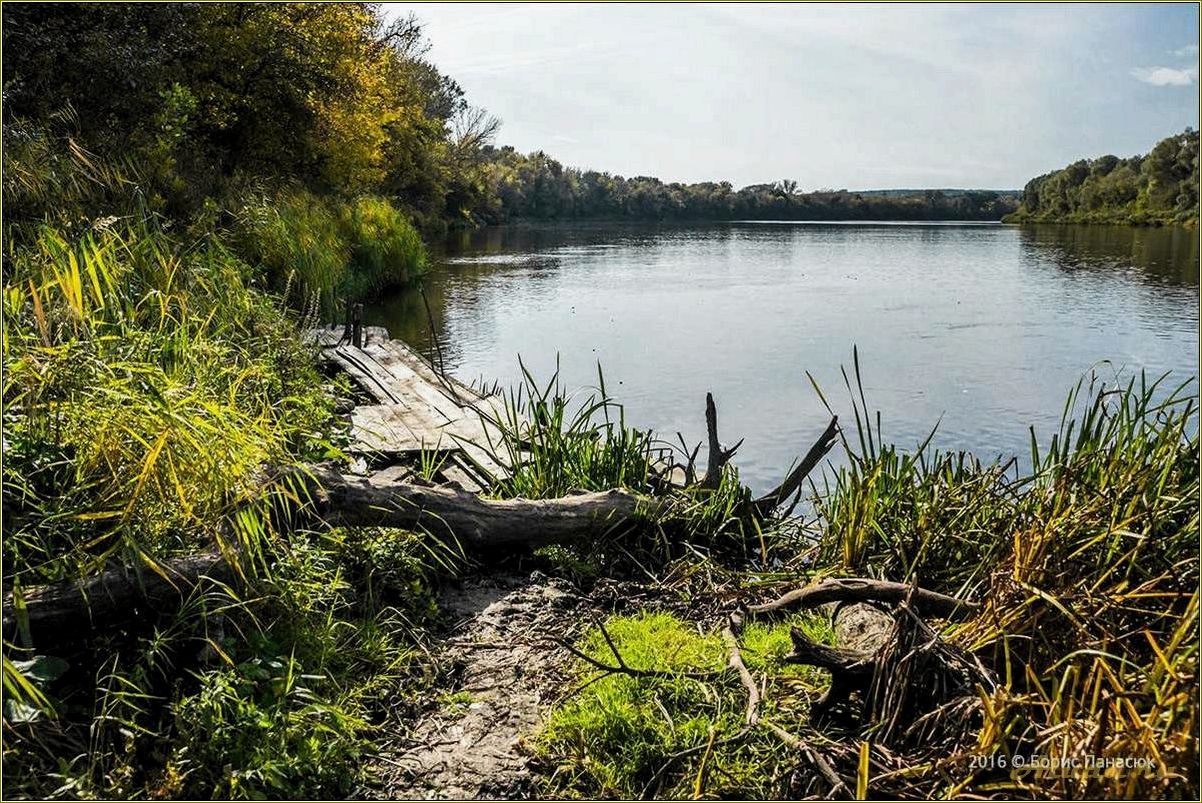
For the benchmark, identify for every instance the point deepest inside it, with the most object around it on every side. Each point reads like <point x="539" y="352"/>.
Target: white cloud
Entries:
<point x="1166" y="76"/>
<point x="1188" y="50"/>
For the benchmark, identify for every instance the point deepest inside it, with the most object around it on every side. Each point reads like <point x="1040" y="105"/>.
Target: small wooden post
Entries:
<point x="357" y="325"/>
<point x="346" y="330"/>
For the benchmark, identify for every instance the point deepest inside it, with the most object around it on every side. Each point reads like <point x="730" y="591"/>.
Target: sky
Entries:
<point x="832" y="96"/>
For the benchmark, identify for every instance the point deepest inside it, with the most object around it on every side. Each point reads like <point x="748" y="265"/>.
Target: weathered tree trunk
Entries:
<point x="792" y="483"/>
<point x="56" y="613"/>
<point x="475" y="523"/>
<point x="861" y="631"/>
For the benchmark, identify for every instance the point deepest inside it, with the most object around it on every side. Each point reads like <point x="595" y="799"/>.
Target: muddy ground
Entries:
<point x="504" y="673"/>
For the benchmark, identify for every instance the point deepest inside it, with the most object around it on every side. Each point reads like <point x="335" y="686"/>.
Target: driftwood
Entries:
<point x="792" y="483"/>
<point x="58" y="612"/>
<point x="718" y="457"/>
<point x="860" y="589"/>
<point x="911" y="685"/>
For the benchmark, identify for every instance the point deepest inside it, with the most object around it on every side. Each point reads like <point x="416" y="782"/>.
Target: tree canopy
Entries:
<point x="1160" y="187"/>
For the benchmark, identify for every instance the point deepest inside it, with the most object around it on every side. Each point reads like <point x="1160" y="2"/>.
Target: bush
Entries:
<point x="259" y="731"/>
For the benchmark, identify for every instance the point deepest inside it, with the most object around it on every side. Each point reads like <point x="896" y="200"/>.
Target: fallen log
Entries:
<point x="475" y="523"/>
<point x="385" y="499"/>
<point x="57" y="612"/>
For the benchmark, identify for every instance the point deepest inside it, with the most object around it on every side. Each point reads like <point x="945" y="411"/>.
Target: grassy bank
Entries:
<point x="1087" y="577"/>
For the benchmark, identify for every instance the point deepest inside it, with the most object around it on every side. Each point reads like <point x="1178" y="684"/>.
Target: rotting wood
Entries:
<point x="911" y="684"/>
<point x="417" y="409"/>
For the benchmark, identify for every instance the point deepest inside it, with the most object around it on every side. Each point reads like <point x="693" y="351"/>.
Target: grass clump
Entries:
<point x="1086" y="570"/>
<point x="385" y="249"/>
<point x="626" y="737"/>
<point x="559" y="444"/>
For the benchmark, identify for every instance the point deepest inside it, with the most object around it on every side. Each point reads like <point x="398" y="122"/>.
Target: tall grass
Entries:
<point x="145" y="387"/>
<point x="296" y="238"/>
<point x="385" y="249"/>
<point x="333" y="248"/>
<point x="1087" y="572"/>
<point x="557" y="443"/>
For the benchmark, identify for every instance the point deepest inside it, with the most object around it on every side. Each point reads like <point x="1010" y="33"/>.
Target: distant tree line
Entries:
<point x="1160" y="187"/>
<point x="517" y="186"/>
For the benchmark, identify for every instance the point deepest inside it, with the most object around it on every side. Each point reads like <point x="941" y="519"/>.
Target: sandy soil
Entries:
<point x="504" y="672"/>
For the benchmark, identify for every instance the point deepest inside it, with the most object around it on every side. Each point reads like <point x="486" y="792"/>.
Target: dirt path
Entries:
<point x="503" y="676"/>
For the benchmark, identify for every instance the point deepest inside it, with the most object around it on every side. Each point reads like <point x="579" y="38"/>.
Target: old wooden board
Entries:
<point x="416" y="408"/>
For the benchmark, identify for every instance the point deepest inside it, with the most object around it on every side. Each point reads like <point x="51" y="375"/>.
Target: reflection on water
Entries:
<point x="981" y="327"/>
<point x="1161" y="256"/>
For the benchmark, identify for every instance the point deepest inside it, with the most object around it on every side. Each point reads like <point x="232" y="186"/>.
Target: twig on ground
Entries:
<point x="805" y="748"/>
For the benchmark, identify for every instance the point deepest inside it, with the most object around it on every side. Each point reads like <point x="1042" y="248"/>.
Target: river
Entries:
<point x="983" y="328"/>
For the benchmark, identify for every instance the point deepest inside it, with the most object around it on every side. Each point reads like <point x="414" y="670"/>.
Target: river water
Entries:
<point x="983" y="328"/>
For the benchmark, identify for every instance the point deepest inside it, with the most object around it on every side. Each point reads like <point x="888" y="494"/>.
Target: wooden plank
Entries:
<point x="407" y="380"/>
<point x="420" y="365"/>
<point x="346" y="358"/>
<point x="455" y="473"/>
<point x="417" y="409"/>
<point x="383" y="428"/>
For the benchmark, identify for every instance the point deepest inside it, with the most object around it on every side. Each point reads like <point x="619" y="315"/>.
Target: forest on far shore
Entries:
<point x="1158" y="188"/>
